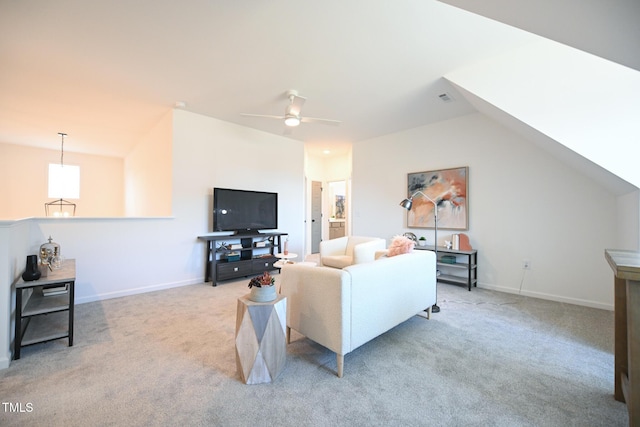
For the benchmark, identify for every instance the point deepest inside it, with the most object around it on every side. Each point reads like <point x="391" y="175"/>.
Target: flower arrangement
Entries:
<point x="260" y="281"/>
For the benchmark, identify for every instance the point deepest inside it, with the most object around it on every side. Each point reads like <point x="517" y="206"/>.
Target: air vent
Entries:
<point x="445" y="97"/>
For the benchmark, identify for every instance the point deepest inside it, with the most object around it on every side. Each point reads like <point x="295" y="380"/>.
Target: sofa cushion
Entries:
<point x="400" y="245"/>
<point x="337" y="261"/>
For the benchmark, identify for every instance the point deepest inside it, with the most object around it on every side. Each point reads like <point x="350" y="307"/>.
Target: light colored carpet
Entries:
<point x="167" y="358"/>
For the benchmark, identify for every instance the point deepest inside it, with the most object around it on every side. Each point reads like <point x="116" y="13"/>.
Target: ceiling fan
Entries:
<point x="292" y="116"/>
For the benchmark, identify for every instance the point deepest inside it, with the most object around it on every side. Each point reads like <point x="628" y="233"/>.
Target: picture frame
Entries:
<point x="449" y="189"/>
<point x="339" y="207"/>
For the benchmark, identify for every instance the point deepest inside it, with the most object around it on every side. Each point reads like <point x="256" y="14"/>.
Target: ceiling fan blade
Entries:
<point x="268" y="116"/>
<point x="323" y="121"/>
<point x="297" y="102"/>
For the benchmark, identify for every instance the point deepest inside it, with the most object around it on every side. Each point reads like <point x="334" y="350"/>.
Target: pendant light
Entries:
<point x="63" y="182"/>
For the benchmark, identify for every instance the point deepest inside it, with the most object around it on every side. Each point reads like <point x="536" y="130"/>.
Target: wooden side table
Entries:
<point x="38" y="307"/>
<point x="261" y="347"/>
<point x="626" y="267"/>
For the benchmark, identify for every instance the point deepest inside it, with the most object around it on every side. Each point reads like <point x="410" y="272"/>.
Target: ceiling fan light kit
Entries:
<point x="292" y="121"/>
<point x="292" y="116"/>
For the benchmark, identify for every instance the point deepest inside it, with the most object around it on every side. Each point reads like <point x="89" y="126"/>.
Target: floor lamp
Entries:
<point x="407" y="204"/>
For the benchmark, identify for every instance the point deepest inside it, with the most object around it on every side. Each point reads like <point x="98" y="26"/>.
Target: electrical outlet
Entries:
<point x="526" y="264"/>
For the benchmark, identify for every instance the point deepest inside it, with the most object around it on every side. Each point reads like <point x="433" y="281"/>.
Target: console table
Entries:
<point x="626" y="268"/>
<point x="448" y="270"/>
<point x="48" y="317"/>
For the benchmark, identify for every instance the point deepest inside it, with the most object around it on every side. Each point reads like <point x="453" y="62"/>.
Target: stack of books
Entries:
<point x="56" y="290"/>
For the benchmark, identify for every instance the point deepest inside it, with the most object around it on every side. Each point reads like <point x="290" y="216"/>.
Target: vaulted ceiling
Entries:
<point x="106" y="72"/>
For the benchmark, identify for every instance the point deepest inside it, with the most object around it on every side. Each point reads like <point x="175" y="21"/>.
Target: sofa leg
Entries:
<point x="288" y="335"/>
<point x="340" y="359"/>
<point x="429" y="312"/>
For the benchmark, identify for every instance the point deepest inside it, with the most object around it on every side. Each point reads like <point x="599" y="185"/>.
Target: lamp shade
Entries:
<point x="64" y="181"/>
<point x="407" y="203"/>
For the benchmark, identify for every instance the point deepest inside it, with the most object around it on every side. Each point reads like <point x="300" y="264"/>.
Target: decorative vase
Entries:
<point x="31" y="271"/>
<point x="263" y="293"/>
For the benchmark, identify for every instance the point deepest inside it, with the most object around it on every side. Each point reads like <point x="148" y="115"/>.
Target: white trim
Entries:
<point x="5" y="361"/>
<point x="141" y="290"/>
<point x="550" y="297"/>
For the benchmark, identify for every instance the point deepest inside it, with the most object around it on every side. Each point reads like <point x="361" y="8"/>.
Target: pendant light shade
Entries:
<point x="64" y="182"/>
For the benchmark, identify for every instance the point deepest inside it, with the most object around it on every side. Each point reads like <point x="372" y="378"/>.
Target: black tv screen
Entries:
<point x="243" y="211"/>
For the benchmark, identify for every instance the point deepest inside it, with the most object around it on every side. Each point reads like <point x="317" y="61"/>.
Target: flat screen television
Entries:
<point x="243" y="211"/>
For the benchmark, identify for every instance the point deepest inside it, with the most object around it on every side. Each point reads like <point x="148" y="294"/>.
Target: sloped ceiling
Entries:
<point x="608" y="29"/>
<point x="543" y="87"/>
<point x="574" y="103"/>
<point x="106" y="72"/>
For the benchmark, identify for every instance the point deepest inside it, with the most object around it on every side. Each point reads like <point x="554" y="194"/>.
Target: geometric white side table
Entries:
<point x="261" y="348"/>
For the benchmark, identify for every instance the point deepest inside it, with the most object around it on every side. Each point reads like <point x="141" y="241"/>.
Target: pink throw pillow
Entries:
<point x="400" y="245"/>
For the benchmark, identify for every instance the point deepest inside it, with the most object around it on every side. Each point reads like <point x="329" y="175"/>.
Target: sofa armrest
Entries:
<point x="336" y="246"/>
<point x="366" y="252"/>
<point x="319" y="304"/>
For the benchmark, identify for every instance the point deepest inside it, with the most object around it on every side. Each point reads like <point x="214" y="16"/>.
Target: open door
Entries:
<point x="316" y="216"/>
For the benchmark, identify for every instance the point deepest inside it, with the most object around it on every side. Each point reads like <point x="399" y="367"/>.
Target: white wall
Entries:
<point x="210" y="153"/>
<point x="523" y="204"/>
<point x="14" y="242"/>
<point x="628" y="222"/>
<point x="123" y="256"/>
<point x="148" y="172"/>
<point x="24" y="171"/>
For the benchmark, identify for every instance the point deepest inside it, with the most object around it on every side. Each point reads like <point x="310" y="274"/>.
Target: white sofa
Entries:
<point x="343" y="309"/>
<point x="345" y="251"/>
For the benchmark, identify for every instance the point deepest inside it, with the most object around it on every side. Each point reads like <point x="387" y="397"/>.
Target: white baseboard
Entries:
<point x="135" y="291"/>
<point x="550" y="297"/>
<point x="5" y="361"/>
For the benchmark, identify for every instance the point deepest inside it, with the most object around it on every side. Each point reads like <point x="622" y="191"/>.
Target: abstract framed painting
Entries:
<point x="448" y="188"/>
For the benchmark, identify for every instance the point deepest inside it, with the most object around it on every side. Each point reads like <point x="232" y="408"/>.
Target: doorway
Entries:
<point x="337" y="204"/>
<point x="316" y="216"/>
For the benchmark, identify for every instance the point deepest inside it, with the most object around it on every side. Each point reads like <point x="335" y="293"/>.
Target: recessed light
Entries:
<point x="327" y="151"/>
<point x="180" y="104"/>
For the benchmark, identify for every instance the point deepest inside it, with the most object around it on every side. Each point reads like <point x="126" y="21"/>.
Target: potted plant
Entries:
<point x="422" y="241"/>
<point x="263" y="288"/>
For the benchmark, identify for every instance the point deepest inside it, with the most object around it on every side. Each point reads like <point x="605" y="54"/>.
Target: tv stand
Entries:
<point x="247" y="233"/>
<point x="240" y="255"/>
